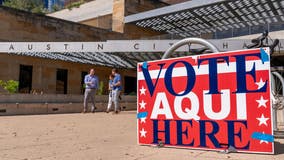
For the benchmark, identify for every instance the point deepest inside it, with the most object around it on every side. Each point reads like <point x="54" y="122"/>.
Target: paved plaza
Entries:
<point x="97" y="136"/>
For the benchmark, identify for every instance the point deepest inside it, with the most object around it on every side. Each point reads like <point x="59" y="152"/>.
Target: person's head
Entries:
<point x="114" y="71"/>
<point x="111" y="77"/>
<point x="92" y="71"/>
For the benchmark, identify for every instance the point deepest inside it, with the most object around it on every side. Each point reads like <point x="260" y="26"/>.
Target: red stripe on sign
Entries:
<point x="199" y="119"/>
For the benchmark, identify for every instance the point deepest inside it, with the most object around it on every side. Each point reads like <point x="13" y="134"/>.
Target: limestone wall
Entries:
<point x="23" y="26"/>
<point x="44" y="72"/>
<point x="104" y="22"/>
<point x="54" y="104"/>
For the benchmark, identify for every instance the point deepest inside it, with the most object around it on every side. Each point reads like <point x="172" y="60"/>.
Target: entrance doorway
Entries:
<point x="25" y="78"/>
<point x="130" y="85"/>
<point x="61" y="81"/>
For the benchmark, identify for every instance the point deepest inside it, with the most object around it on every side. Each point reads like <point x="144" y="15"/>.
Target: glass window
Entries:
<point x="240" y="31"/>
<point x="258" y="29"/>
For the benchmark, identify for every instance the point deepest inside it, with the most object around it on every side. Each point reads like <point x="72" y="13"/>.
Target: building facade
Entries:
<point x="125" y="19"/>
<point x="135" y="19"/>
<point x="48" y="73"/>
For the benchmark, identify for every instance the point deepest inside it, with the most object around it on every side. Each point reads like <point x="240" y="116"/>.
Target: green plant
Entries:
<point x="11" y="86"/>
<point x="75" y="4"/>
<point x="84" y="86"/>
<point x="56" y="8"/>
<point x="101" y="88"/>
<point x="34" y="6"/>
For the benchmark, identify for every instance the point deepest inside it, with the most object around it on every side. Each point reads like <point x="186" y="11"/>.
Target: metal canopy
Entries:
<point x="118" y="60"/>
<point x="197" y="17"/>
<point x="95" y="58"/>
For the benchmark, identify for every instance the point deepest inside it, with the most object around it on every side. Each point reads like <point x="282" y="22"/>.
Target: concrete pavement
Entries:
<point x="97" y="136"/>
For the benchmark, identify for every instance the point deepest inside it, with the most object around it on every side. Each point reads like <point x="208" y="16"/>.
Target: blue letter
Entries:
<point x="190" y="78"/>
<point x="211" y="135"/>
<point x="213" y="73"/>
<point x="148" y="78"/>
<point x="156" y="131"/>
<point x="242" y="74"/>
<point x="232" y="134"/>
<point x="180" y="132"/>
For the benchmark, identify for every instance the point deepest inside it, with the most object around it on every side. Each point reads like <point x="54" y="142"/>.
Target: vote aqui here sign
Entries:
<point x="208" y="101"/>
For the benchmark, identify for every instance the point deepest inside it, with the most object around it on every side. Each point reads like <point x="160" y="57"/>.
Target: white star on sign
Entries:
<point x="260" y="83"/>
<point x="262" y="120"/>
<point x="143" y="133"/>
<point x="142" y="91"/>
<point x="261" y="102"/>
<point x="261" y="141"/>
<point x="142" y="105"/>
<point x="143" y="120"/>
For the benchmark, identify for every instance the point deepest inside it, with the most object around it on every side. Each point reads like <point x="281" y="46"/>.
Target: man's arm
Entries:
<point x="85" y="80"/>
<point x="117" y="84"/>
<point x="118" y="81"/>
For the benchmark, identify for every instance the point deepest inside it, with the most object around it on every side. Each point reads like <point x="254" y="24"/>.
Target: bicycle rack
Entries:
<point x="186" y="41"/>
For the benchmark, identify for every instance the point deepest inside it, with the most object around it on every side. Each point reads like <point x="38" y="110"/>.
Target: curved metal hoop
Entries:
<point x="186" y="41"/>
<point x="273" y="87"/>
<point x="281" y="79"/>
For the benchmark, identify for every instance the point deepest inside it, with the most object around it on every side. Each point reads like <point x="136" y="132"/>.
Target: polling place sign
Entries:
<point x="208" y="101"/>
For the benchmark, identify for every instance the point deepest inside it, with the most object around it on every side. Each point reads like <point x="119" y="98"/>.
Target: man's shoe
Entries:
<point x="84" y="111"/>
<point x="107" y="111"/>
<point x="94" y="109"/>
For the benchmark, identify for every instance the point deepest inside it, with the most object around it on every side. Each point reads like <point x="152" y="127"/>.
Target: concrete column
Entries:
<point x="74" y="81"/>
<point x="37" y="78"/>
<point x="118" y="15"/>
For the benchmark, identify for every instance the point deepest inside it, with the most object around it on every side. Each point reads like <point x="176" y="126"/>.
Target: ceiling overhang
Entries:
<point x="196" y="17"/>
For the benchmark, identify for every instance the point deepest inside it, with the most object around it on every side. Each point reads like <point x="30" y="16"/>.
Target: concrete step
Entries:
<point x="54" y="108"/>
